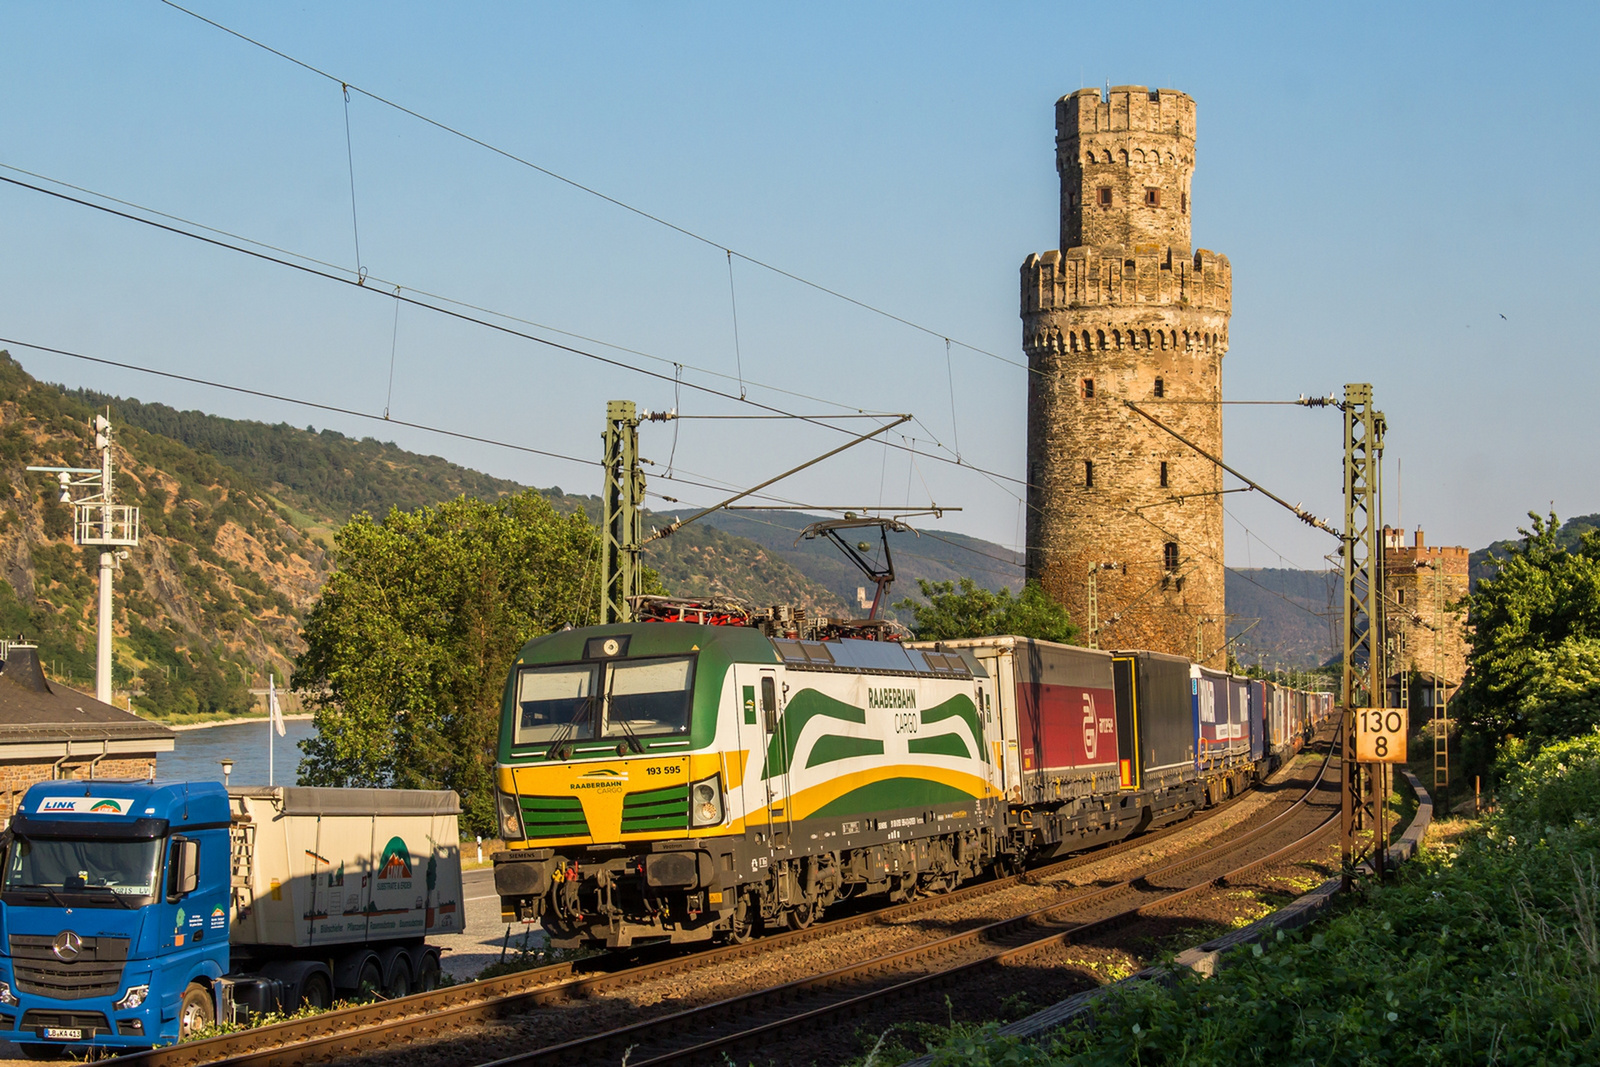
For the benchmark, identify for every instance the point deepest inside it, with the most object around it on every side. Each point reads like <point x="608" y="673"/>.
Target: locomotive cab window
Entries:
<point x="555" y="703"/>
<point x="649" y="697"/>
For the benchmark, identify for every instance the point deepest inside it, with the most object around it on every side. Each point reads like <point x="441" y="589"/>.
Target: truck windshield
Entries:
<point x="62" y="865"/>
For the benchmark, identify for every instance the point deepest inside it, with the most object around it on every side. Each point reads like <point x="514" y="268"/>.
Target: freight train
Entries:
<point x="708" y="777"/>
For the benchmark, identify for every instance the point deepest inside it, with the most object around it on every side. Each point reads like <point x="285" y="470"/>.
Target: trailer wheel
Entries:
<point x="316" y="993"/>
<point x="428" y="972"/>
<point x="196" y="1012"/>
<point x="370" y="980"/>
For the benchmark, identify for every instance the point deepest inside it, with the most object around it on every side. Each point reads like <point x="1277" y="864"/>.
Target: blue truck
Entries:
<point x="136" y="913"/>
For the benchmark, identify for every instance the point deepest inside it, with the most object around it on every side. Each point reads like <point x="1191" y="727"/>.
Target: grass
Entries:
<point x="1486" y="950"/>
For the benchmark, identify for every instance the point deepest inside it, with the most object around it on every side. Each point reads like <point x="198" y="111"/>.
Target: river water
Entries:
<point x="196" y="754"/>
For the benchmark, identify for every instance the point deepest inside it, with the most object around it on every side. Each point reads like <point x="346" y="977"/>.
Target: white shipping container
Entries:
<point x="315" y="866"/>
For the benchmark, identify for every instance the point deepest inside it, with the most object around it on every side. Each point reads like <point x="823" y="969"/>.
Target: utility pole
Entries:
<point x="622" y="522"/>
<point x="1093" y="636"/>
<point x="99" y="520"/>
<point x="1363" y="595"/>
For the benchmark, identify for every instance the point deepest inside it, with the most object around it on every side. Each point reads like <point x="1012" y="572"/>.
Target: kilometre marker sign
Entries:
<point x="1381" y="735"/>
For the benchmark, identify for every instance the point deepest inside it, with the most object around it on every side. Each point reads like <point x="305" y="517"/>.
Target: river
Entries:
<point x="196" y="754"/>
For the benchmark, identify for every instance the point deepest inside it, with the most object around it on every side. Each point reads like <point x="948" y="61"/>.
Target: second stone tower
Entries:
<point x="1120" y="512"/>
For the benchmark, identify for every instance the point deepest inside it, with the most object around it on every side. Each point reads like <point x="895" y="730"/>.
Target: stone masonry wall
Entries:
<point x="1425" y="585"/>
<point x="1127" y="313"/>
<point x="17" y="775"/>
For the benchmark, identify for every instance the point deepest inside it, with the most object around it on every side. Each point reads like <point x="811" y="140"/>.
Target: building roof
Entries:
<point x="32" y="710"/>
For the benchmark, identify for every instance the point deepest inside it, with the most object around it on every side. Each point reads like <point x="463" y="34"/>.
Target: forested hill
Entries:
<point x="1567" y="537"/>
<point x="238" y="520"/>
<point x="322" y="473"/>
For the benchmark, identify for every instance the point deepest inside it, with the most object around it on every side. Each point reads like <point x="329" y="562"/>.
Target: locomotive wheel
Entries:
<point x="742" y="927"/>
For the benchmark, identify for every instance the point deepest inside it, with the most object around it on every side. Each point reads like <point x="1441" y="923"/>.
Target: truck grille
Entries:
<point x="553" y="817"/>
<point x="97" y="972"/>
<point x="90" y="1022"/>
<point x="657" y="809"/>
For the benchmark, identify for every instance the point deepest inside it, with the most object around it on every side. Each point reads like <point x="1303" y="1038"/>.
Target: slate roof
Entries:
<point x="32" y="710"/>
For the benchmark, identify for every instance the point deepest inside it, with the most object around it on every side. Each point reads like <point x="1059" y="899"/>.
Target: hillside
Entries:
<point x="238" y="518"/>
<point x="1571" y="530"/>
<point x="1283" y="616"/>
<point x="210" y="599"/>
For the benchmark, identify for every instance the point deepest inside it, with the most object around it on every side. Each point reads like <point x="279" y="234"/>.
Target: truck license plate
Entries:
<point x="62" y="1033"/>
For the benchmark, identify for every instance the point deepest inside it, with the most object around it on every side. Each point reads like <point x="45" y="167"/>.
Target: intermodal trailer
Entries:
<point x="1257" y="695"/>
<point x="1056" y="713"/>
<point x="1156" y="740"/>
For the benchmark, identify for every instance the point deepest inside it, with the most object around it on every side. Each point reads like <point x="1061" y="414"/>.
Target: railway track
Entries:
<point x="368" y="1028"/>
<point x="756" y="1020"/>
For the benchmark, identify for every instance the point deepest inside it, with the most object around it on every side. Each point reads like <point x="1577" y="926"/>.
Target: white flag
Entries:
<point x="273" y="711"/>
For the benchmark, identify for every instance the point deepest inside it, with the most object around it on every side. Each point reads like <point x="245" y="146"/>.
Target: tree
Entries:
<point x="1533" y="666"/>
<point x="408" y="648"/>
<point x="945" y="612"/>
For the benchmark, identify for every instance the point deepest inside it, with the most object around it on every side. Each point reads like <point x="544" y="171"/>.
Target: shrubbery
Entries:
<point x="1488" y="953"/>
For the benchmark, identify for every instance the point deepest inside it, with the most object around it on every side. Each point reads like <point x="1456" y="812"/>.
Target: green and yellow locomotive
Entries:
<point x="675" y="781"/>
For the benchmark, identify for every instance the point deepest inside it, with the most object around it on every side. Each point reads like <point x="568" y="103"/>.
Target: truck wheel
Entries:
<point x="370" y="981"/>
<point x="315" y="993"/>
<point x="196" y="1012"/>
<point x="428" y="972"/>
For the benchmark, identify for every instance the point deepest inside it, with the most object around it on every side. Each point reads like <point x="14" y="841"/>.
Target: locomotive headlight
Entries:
<point x="510" y="817"/>
<point x="705" y="802"/>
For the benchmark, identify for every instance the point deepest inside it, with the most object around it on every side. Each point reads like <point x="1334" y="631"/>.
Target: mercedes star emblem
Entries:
<point x="67" y="945"/>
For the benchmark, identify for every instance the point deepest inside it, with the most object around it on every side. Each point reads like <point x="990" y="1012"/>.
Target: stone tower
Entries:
<point x="1125" y="311"/>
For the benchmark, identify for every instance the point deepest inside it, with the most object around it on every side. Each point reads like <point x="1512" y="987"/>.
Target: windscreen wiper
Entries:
<point x="114" y="895"/>
<point x="52" y="893"/>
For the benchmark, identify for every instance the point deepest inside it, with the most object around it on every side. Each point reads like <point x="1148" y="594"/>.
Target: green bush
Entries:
<point x="1488" y="953"/>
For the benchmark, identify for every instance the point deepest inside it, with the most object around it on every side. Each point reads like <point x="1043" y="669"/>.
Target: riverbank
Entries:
<point x="225" y="720"/>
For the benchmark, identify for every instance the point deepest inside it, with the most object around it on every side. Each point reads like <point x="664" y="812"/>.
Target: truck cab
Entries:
<point x="114" y="931"/>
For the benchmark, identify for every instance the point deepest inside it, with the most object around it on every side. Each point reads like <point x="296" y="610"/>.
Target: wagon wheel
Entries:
<point x="802" y="915"/>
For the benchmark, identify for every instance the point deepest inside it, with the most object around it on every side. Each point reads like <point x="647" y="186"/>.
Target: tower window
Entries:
<point x="1105" y="196"/>
<point x="1088" y="388"/>
<point x="1088" y="474"/>
<point x="1152" y="198"/>
<point x="1164" y="481"/>
<point x="1169" y="555"/>
<point x="1183" y="203"/>
<point x="1161" y="384"/>
<point x="1402" y="593"/>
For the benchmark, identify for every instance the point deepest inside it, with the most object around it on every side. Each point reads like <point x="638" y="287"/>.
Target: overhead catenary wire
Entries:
<point x="318" y="405"/>
<point x="592" y="191"/>
<point x="332" y="275"/>
<point x="456" y="302"/>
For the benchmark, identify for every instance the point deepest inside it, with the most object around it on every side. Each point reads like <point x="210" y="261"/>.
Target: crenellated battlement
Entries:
<point x="1128" y="109"/>
<point x="1148" y="275"/>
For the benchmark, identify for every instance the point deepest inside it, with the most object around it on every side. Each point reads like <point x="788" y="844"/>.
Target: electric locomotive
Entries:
<point x="676" y="781"/>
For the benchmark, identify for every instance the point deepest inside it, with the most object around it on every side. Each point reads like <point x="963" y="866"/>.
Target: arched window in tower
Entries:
<point x="1183" y="203"/>
<point x="1088" y="474"/>
<point x="1161" y="383"/>
<point x="1169" y="555"/>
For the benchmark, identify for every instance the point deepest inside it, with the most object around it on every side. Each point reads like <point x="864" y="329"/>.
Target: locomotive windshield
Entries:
<point x="651" y="697"/>
<point x="556" y="704"/>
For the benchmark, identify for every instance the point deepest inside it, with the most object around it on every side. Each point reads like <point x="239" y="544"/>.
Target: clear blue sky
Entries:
<point x="1406" y="193"/>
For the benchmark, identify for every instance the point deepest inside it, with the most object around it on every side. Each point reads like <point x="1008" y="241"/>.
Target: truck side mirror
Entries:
<point x="183" y="870"/>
